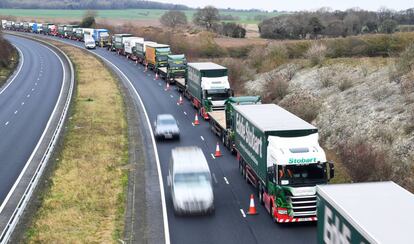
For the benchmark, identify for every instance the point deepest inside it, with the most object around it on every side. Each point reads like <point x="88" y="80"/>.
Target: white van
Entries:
<point x="190" y="182"/>
<point x="89" y="42"/>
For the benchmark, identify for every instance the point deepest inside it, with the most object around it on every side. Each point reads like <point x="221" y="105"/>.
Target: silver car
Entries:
<point x="166" y="127"/>
<point x="190" y="182"/>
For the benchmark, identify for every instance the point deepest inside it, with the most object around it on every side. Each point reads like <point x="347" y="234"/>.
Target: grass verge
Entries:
<point x="85" y="202"/>
<point x="5" y="72"/>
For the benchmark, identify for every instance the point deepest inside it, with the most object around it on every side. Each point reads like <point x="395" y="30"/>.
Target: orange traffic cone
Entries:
<point x="217" y="153"/>
<point x="156" y="76"/>
<point x="167" y="86"/>
<point x="252" y="208"/>
<point x="180" y="100"/>
<point x="196" y="122"/>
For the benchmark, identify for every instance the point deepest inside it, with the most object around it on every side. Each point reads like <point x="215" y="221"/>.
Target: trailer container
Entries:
<point x="156" y="55"/>
<point x="140" y="49"/>
<point x="3" y="24"/>
<point x="101" y="37"/>
<point x="221" y="120"/>
<point x="176" y="68"/>
<point x="207" y="87"/>
<point x="279" y="154"/>
<point x="70" y="31"/>
<point x="351" y="213"/>
<point x="118" y="42"/>
<point x="130" y="46"/>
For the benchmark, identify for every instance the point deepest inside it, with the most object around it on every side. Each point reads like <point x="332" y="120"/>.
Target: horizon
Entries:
<point x="297" y="5"/>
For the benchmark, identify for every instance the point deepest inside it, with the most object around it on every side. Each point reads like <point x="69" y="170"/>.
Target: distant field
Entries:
<point x="124" y="14"/>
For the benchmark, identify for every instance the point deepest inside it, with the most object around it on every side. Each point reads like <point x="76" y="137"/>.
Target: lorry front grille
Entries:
<point x="303" y="206"/>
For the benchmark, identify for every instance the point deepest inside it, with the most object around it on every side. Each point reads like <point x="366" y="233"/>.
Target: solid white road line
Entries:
<point x="163" y="202"/>
<point x="40" y="140"/>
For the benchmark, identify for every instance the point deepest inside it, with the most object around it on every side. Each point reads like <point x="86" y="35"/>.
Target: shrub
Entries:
<point x="325" y="77"/>
<point x="173" y="18"/>
<point x="239" y="52"/>
<point x="363" y="162"/>
<point x="276" y="89"/>
<point x="344" y="84"/>
<point x="232" y="29"/>
<point x="381" y="93"/>
<point x="88" y="20"/>
<point x="238" y="73"/>
<point x="303" y="104"/>
<point x="316" y="53"/>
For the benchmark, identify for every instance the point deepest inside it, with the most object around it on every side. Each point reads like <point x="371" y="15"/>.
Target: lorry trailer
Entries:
<point x="221" y="120"/>
<point x="279" y="154"/>
<point x="176" y="68"/>
<point x="130" y="46"/>
<point x="140" y="49"/>
<point x="351" y="213"/>
<point x="156" y="55"/>
<point x="118" y="42"/>
<point x="101" y="37"/>
<point x="207" y="86"/>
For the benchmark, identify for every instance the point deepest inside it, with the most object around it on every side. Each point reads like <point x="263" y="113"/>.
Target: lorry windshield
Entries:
<point x="162" y="58"/>
<point x="199" y="178"/>
<point x="309" y="174"/>
<point x="217" y="94"/>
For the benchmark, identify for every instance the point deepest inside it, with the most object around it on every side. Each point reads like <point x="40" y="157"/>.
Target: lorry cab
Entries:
<point x="101" y="36"/>
<point x="190" y="182"/>
<point x="296" y="166"/>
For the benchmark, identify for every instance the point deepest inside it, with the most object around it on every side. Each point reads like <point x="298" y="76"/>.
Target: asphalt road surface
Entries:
<point x="231" y="192"/>
<point x="26" y="104"/>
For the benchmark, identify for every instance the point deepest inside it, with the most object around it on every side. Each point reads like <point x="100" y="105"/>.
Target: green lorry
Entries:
<point x="117" y="42"/>
<point x="207" y="86"/>
<point x="279" y="154"/>
<point x="70" y="31"/>
<point x="221" y="120"/>
<point x="357" y="213"/>
<point x="140" y="48"/>
<point x="176" y="68"/>
<point x="61" y="30"/>
<point x="156" y="56"/>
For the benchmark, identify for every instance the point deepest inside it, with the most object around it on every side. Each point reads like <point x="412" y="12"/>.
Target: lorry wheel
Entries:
<point x="260" y="194"/>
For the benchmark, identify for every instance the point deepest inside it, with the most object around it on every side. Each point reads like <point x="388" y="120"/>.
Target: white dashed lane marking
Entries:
<point x="6" y="123"/>
<point x="225" y="179"/>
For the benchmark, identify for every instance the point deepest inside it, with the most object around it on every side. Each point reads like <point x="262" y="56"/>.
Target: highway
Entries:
<point x="26" y="104"/>
<point x="229" y="224"/>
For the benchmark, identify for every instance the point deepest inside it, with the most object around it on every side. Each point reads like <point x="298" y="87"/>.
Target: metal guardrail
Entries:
<point x="14" y="219"/>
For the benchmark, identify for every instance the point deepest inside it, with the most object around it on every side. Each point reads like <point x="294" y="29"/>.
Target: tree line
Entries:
<point x="208" y="18"/>
<point x="328" y="23"/>
<point x="88" y="4"/>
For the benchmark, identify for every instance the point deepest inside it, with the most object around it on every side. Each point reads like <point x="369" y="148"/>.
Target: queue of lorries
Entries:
<point x="278" y="153"/>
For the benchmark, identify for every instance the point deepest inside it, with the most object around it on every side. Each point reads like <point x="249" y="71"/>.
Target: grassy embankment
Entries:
<point x="8" y="60"/>
<point x="124" y="14"/>
<point x="86" y="199"/>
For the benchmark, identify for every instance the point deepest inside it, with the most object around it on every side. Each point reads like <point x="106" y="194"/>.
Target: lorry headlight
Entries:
<point x="282" y="211"/>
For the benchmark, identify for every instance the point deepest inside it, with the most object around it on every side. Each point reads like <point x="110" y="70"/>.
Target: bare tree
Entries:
<point x="206" y="17"/>
<point x="173" y="18"/>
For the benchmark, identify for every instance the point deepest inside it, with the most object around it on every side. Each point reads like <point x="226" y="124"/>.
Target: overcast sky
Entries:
<point x="292" y="5"/>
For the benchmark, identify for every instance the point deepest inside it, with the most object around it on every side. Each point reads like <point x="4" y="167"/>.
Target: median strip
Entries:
<point x="86" y="198"/>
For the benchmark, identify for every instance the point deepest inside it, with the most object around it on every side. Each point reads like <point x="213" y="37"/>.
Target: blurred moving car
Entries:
<point x="89" y="42"/>
<point x="190" y="181"/>
<point x="166" y="127"/>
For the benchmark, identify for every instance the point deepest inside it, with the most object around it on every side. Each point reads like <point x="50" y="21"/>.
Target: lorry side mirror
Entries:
<point x="331" y="170"/>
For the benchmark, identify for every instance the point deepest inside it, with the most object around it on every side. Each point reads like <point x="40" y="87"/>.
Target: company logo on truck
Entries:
<point x="302" y="160"/>
<point x="246" y="132"/>
<point x="335" y="230"/>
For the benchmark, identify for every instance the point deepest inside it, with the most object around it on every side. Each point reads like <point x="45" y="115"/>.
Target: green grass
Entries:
<point x="123" y="14"/>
